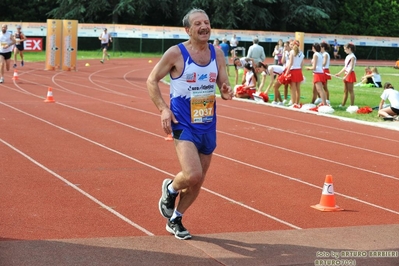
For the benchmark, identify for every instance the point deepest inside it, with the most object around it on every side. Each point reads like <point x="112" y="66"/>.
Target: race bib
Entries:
<point x="202" y="108"/>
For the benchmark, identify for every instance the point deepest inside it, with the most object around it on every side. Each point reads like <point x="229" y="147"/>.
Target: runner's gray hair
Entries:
<point x="186" y="19"/>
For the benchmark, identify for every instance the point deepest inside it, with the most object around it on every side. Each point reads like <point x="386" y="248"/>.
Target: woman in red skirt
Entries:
<point x="294" y="72"/>
<point x="318" y="74"/>
<point x="350" y="75"/>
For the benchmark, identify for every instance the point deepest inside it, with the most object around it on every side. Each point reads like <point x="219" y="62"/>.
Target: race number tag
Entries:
<point x="202" y="108"/>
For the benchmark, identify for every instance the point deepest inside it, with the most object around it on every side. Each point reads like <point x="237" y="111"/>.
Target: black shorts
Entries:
<point x="6" y="55"/>
<point x="104" y="46"/>
<point x="396" y="111"/>
<point x="20" y="47"/>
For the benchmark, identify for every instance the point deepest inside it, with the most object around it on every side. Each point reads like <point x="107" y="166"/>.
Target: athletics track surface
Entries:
<point x="81" y="178"/>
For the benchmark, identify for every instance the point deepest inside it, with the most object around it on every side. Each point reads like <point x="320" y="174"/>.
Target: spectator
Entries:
<point x="350" y="75"/>
<point x="390" y="94"/>
<point x="318" y="73"/>
<point x="233" y="45"/>
<point x="294" y="73"/>
<point x="278" y="52"/>
<point x="325" y="47"/>
<point x="268" y="70"/>
<point x="239" y="64"/>
<point x="216" y="43"/>
<point x="248" y="88"/>
<point x="396" y="64"/>
<point x="256" y="52"/>
<point x="225" y="48"/>
<point x="371" y="77"/>
<point x="281" y="80"/>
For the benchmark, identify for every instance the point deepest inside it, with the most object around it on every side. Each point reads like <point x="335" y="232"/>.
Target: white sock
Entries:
<point x="175" y="214"/>
<point x="171" y="189"/>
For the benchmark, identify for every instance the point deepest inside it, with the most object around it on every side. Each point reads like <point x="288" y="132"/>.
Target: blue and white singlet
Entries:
<point x="192" y="94"/>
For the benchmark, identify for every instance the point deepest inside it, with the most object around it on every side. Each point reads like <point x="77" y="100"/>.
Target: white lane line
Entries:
<point x="309" y="155"/>
<point x="143" y="163"/>
<point x="307" y="183"/>
<point x="120" y="216"/>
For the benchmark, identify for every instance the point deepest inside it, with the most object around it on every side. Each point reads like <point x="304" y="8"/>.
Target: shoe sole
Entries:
<point x="170" y="230"/>
<point x="388" y="118"/>
<point x="164" y="183"/>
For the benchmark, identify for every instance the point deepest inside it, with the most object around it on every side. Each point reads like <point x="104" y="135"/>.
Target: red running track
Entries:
<point x="91" y="165"/>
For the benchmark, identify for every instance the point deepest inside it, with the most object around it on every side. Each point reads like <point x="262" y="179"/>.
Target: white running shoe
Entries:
<point x="1" y="80"/>
<point x="318" y="100"/>
<point x="274" y="102"/>
<point x="285" y="101"/>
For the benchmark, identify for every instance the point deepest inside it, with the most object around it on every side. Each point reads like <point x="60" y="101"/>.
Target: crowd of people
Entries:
<point x="287" y="69"/>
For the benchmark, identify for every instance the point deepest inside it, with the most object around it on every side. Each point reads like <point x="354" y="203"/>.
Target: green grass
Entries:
<point x="363" y="96"/>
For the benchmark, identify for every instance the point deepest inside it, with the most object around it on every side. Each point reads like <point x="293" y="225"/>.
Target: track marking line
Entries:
<point x="84" y="193"/>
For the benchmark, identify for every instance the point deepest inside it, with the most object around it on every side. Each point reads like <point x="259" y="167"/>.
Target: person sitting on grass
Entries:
<point x="396" y="64"/>
<point x="372" y="78"/>
<point x="248" y="87"/>
<point x="391" y="112"/>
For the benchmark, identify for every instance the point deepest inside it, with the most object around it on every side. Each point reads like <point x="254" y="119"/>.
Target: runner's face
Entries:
<point x="200" y="26"/>
<point x="4" y="28"/>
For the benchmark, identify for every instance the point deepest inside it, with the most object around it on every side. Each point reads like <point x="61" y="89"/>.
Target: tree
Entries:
<point x="30" y="11"/>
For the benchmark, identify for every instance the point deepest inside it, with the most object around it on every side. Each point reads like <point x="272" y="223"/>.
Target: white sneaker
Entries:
<point x="273" y="102"/>
<point x="290" y="103"/>
<point x="285" y="102"/>
<point x="328" y="102"/>
<point x="280" y="103"/>
<point x="318" y="100"/>
<point x="1" y="80"/>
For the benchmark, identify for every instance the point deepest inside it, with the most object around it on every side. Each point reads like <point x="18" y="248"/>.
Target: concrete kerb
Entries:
<point x="393" y="125"/>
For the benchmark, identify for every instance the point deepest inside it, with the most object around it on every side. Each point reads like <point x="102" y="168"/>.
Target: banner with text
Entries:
<point x="161" y="32"/>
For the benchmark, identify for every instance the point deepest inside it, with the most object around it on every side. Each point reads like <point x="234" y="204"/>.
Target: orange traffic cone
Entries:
<point x="15" y="77"/>
<point x="327" y="201"/>
<point x="169" y="137"/>
<point x="49" y="98"/>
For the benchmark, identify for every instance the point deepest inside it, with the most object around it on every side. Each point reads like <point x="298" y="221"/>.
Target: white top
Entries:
<point x="276" y="69"/>
<point x="5" y="39"/>
<point x="287" y="58"/>
<point x="376" y="77"/>
<point x="233" y="42"/>
<point x="278" y="50"/>
<point x="297" y="64"/>
<point x="319" y="63"/>
<point x="104" y="37"/>
<point x="248" y="78"/>
<point x="391" y="95"/>
<point x="348" y="59"/>
<point x="327" y="65"/>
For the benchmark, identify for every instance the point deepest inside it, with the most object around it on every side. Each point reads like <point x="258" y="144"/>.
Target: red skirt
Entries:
<point x="327" y="72"/>
<point x="319" y="77"/>
<point x="351" y="78"/>
<point x="296" y="75"/>
<point x="283" y="78"/>
<point x="242" y="90"/>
